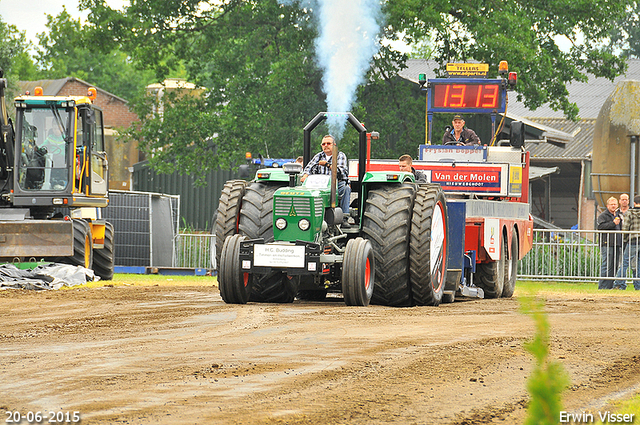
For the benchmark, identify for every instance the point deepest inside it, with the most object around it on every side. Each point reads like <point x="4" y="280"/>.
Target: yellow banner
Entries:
<point x="467" y="69"/>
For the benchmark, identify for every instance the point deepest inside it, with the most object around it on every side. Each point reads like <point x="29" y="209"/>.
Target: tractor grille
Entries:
<point x="284" y="205"/>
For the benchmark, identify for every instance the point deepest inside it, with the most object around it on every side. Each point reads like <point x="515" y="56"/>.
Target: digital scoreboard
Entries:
<point x="473" y="95"/>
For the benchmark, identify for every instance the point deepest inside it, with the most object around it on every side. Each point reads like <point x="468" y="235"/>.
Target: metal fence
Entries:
<point x="568" y="255"/>
<point x="561" y="255"/>
<point x="194" y="250"/>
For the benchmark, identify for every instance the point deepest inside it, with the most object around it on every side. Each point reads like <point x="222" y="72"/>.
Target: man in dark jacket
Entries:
<point x="631" y="223"/>
<point x="610" y="243"/>
<point x="460" y="135"/>
<point x="405" y="164"/>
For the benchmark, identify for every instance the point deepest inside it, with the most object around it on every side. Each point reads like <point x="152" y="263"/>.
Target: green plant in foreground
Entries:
<point x="548" y="379"/>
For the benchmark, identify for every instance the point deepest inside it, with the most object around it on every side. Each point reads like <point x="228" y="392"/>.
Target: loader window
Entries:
<point x="43" y="150"/>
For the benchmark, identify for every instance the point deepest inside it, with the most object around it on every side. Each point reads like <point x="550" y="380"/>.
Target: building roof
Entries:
<point x="53" y="87"/>
<point x="576" y="150"/>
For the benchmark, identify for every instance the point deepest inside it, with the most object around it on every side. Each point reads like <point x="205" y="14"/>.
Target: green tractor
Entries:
<point x="278" y="239"/>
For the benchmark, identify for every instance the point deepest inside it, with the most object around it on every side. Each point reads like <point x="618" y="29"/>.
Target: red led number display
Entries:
<point x="473" y="96"/>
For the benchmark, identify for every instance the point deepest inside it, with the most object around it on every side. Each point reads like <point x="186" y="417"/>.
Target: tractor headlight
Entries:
<point x="281" y="223"/>
<point x="304" y="224"/>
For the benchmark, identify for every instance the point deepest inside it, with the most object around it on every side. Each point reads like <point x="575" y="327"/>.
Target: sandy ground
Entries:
<point x="179" y="355"/>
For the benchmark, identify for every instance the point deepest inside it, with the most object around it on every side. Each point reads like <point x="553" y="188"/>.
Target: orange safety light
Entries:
<point x="38" y="91"/>
<point x="247" y="155"/>
<point x="503" y="68"/>
<point x="93" y="93"/>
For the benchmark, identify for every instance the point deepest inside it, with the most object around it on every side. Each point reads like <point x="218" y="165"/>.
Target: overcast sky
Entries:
<point x="30" y="15"/>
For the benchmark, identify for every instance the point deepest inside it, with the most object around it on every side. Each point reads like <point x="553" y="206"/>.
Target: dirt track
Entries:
<point x="169" y="355"/>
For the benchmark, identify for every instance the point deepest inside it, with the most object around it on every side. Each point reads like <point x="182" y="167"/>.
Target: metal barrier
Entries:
<point x="561" y="255"/>
<point x="570" y="255"/>
<point x="194" y="250"/>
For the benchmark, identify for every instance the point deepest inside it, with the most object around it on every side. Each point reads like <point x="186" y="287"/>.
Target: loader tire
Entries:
<point x="225" y="219"/>
<point x="429" y="246"/>
<point x="103" y="259"/>
<point x="256" y="221"/>
<point x="490" y="276"/>
<point x="82" y="252"/>
<point x="511" y="267"/>
<point x="386" y="224"/>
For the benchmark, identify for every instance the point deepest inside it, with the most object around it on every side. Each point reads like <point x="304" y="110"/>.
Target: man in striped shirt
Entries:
<point x="321" y="164"/>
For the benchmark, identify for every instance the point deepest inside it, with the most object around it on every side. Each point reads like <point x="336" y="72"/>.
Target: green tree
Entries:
<point x="522" y="32"/>
<point x="625" y="33"/>
<point x="14" y="56"/>
<point x="257" y="62"/>
<point x="64" y="52"/>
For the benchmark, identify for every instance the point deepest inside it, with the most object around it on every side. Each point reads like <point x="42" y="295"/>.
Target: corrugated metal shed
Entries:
<point x="589" y="96"/>
<point x="577" y="149"/>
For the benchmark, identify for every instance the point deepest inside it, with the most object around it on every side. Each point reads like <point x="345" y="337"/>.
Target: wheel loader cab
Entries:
<point x="60" y="157"/>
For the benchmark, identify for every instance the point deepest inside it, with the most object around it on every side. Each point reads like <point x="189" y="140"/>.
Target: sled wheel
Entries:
<point x="511" y="267"/>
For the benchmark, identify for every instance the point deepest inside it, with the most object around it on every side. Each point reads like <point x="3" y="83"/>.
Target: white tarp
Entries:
<point x="47" y="276"/>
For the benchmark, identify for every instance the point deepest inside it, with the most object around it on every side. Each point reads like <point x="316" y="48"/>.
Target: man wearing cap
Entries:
<point x="460" y="135"/>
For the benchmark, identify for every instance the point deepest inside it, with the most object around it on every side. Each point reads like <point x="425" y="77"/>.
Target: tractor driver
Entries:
<point x="321" y="164"/>
<point x="460" y="135"/>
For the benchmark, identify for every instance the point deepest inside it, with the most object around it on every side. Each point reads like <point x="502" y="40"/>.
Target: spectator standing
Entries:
<point x="624" y="204"/>
<point x="610" y="243"/>
<point x="630" y="223"/>
<point x="405" y="163"/>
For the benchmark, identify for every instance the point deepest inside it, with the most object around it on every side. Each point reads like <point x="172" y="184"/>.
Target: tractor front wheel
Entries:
<point x="358" y="272"/>
<point x="234" y="285"/>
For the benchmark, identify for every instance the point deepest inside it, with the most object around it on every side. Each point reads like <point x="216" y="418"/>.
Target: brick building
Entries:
<point x="117" y="116"/>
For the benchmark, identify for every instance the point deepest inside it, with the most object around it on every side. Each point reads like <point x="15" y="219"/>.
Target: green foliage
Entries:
<point x="256" y="61"/>
<point x="548" y="378"/>
<point x="523" y="33"/>
<point x="64" y="51"/>
<point x="625" y="33"/>
<point x="14" y="59"/>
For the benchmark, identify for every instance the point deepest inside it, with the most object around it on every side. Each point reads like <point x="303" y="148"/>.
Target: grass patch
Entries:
<point x="125" y="279"/>
<point x="535" y="287"/>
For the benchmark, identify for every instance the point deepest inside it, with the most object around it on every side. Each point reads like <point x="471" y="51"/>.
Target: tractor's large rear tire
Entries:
<point x="234" y="285"/>
<point x="225" y="219"/>
<point x="386" y="224"/>
<point x="511" y="267"/>
<point x="429" y="245"/>
<point x="103" y="259"/>
<point x="358" y="272"/>
<point x="490" y="276"/>
<point x="256" y="221"/>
